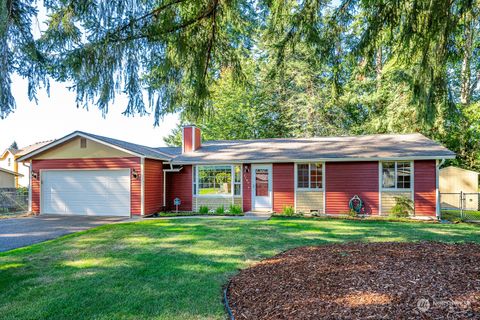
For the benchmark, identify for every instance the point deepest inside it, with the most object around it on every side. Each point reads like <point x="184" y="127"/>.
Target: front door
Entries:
<point x="262" y="187"/>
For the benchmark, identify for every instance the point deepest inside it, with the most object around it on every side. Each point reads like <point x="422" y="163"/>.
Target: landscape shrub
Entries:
<point x="403" y="207"/>
<point x="203" y="210"/>
<point x="352" y="213"/>
<point x="288" y="211"/>
<point x="235" y="209"/>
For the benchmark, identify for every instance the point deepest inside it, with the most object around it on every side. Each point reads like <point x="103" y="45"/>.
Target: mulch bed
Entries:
<point x="426" y="280"/>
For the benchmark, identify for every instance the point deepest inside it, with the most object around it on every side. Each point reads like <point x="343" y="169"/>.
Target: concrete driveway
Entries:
<point x="20" y="232"/>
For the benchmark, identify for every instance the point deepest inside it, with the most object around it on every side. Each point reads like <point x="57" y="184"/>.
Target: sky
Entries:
<point x="57" y="115"/>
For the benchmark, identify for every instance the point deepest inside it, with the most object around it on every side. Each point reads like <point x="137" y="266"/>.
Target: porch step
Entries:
<point x="259" y="214"/>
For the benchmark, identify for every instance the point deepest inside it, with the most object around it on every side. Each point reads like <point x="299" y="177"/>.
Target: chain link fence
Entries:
<point x="460" y="206"/>
<point x="13" y="201"/>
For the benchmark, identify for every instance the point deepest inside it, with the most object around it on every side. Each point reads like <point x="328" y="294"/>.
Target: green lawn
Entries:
<point x="456" y="215"/>
<point x="170" y="269"/>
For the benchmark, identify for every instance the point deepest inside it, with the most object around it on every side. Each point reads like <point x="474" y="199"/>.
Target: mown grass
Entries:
<point x="170" y="269"/>
<point x="457" y="215"/>
<point x="188" y="214"/>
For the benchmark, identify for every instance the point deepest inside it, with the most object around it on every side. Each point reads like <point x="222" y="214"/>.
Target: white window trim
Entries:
<point x="395" y="177"/>
<point x="241" y="181"/>
<point x="309" y="178"/>
<point x="224" y="195"/>
<point x="380" y="183"/>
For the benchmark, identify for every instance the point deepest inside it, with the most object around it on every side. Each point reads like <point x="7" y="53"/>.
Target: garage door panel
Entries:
<point x="82" y="184"/>
<point x="86" y="192"/>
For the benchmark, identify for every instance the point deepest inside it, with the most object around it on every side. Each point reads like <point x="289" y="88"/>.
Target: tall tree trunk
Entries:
<point x="379" y="65"/>
<point x="465" y="76"/>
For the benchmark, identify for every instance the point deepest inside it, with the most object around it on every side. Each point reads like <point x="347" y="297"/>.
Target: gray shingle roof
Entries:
<point x="158" y="153"/>
<point x="368" y="147"/>
<point x="380" y="146"/>
<point x="174" y="151"/>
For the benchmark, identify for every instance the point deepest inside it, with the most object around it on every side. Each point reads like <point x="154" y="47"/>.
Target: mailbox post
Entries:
<point x="177" y="202"/>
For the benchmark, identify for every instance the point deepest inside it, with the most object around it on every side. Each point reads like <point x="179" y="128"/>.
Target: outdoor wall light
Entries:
<point x="134" y="174"/>
<point x="247" y="169"/>
<point x="34" y="175"/>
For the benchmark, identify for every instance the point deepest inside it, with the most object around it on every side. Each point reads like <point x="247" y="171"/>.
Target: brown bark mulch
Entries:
<point x="426" y="280"/>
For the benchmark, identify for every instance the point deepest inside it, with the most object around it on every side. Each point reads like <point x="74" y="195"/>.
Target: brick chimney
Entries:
<point x="191" y="138"/>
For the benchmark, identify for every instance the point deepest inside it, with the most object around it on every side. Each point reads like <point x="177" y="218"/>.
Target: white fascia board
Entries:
<point x="207" y="162"/>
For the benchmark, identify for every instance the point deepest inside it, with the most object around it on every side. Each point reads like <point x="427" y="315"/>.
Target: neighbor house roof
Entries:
<point x="367" y="147"/>
<point x="11" y="172"/>
<point x="32" y="147"/>
<point x="20" y="152"/>
<point x="136" y="149"/>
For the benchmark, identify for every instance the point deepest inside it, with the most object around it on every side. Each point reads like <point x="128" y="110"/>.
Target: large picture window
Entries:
<point x="310" y="176"/>
<point x="217" y="180"/>
<point x="396" y="175"/>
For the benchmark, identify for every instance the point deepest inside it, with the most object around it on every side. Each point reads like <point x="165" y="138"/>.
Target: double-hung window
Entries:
<point x="397" y="175"/>
<point x="217" y="180"/>
<point x="237" y="180"/>
<point x="310" y="176"/>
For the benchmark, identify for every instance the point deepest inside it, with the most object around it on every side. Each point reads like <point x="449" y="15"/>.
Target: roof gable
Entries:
<point x="119" y="145"/>
<point x="5" y="153"/>
<point x="72" y="149"/>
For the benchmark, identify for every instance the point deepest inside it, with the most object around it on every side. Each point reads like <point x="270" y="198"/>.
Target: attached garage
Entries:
<point x="86" y="192"/>
<point x="85" y="174"/>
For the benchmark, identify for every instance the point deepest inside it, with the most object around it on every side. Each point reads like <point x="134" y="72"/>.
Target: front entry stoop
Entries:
<point x="259" y="214"/>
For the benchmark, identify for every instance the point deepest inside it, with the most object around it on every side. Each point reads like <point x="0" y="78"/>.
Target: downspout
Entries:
<point x="142" y="181"/>
<point x="437" y="189"/>
<point x="165" y="187"/>
<point x="29" y="185"/>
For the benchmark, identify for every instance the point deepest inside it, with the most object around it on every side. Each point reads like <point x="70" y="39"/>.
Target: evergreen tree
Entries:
<point x="252" y="69"/>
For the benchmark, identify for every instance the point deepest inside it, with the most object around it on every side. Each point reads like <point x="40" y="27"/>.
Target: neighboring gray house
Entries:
<point x="7" y="178"/>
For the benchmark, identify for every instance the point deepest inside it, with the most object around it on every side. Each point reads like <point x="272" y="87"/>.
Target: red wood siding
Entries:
<point x="100" y="163"/>
<point x="283" y="186"/>
<point x="179" y="184"/>
<point x="343" y="180"/>
<point x="425" y="187"/>
<point x="247" y="188"/>
<point x="198" y="138"/>
<point x="153" y="186"/>
<point x="187" y="139"/>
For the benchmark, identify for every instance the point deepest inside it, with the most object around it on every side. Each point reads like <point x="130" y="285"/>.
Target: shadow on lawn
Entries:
<point x="170" y="268"/>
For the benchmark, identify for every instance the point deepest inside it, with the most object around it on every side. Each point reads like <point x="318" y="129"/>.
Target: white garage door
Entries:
<point x="86" y="192"/>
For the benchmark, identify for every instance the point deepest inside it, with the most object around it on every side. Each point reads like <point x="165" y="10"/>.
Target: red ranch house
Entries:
<point x="86" y="174"/>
